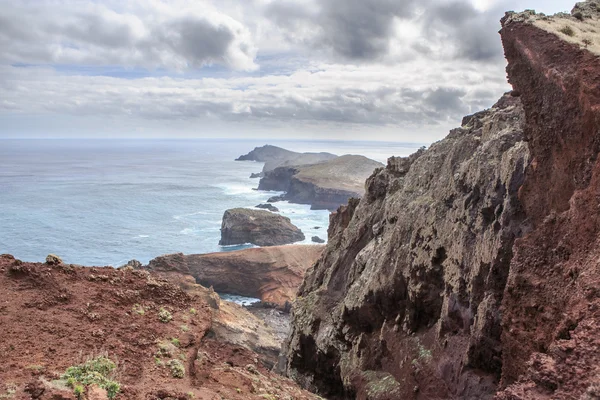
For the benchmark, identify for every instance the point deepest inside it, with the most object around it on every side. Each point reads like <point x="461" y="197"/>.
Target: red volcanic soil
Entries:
<point x="56" y="316"/>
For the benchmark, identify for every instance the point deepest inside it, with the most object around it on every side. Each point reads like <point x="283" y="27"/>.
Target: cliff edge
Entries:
<point x="470" y="270"/>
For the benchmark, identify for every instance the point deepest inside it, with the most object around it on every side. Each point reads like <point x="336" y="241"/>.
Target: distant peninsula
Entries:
<point x="323" y="180"/>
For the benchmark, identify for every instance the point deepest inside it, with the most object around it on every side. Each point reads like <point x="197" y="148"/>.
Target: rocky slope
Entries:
<point x="470" y="270"/>
<point x="259" y="227"/>
<point x="274" y="157"/>
<point x="272" y="274"/>
<point x="551" y="323"/>
<point x="404" y="301"/>
<point x="54" y="316"/>
<point x="326" y="185"/>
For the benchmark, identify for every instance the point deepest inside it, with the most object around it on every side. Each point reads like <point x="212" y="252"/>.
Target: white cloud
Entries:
<point x="148" y="34"/>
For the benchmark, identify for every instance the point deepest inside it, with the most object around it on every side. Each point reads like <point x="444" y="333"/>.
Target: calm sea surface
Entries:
<point x="104" y="202"/>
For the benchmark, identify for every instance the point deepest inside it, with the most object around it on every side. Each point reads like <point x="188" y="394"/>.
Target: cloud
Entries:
<point x="151" y="35"/>
<point x="328" y="94"/>
<point x="373" y="31"/>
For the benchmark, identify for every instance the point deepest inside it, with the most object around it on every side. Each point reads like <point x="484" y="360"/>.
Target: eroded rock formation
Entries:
<point x="259" y="227"/>
<point x="470" y="270"/>
<point x="326" y="185"/>
<point x="272" y="274"/>
<point x="407" y="292"/>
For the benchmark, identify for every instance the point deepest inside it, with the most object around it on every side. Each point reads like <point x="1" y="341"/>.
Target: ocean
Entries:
<point x="105" y="202"/>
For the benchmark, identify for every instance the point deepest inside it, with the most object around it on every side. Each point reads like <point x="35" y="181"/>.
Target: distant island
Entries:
<point x="323" y="180"/>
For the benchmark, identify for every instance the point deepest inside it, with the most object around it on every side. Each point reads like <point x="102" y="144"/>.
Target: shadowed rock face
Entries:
<point x="272" y="274"/>
<point x="407" y="292"/>
<point x="262" y="228"/>
<point x="326" y="185"/>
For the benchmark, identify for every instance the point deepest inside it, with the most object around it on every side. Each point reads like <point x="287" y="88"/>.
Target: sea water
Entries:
<point x="104" y="202"/>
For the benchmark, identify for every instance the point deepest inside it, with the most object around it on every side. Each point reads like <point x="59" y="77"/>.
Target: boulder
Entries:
<point x="269" y="207"/>
<point x="261" y="228"/>
<point x="316" y="239"/>
<point x="53" y="259"/>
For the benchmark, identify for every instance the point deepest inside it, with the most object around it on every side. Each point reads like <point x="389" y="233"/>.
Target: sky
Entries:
<point x="393" y="70"/>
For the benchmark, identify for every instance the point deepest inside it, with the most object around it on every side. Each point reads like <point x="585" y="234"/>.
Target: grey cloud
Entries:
<point x="446" y="100"/>
<point x="97" y="36"/>
<point x="473" y="34"/>
<point x="363" y="30"/>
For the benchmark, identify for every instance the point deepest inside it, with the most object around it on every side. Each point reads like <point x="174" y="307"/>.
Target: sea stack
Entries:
<point x="258" y="227"/>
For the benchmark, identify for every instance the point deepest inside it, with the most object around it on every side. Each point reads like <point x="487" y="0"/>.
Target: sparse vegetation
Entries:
<point x="567" y="30"/>
<point x="96" y="371"/>
<point x="587" y="42"/>
<point x="78" y="391"/>
<point x="164" y="316"/>
<point x="138" y="309"/>
<point x="175" y="342"/>
<point x="193" y="311"/>
<point x="11" y="390"/>
<point x="177" y="369"/>
<point x="423" y="357"/>
<point x="184" y="328"/>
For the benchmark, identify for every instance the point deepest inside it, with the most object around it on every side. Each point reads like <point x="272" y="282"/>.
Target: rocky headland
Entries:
<point x="258" y="227"/>
<point x="470" y="269"/>
<point x="326" y="185"/>
<point x="272" y="274"/>
<point x="274" y="157"/>
<point x="69" y="332"/>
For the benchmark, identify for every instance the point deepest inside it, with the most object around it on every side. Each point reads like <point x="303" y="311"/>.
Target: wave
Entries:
<point x="178" y="217"/>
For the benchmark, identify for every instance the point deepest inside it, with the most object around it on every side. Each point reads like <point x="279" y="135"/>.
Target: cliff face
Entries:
<point x="404" y="301"/>
<point x="471" y="270"/>
<point x="551" y="306"/>
<point x="259" y="227"/>
<point x="272" y="274"/>
<point x="325" y="185"/>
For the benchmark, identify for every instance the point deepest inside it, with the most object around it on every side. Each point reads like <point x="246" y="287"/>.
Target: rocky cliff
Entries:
<point x="326" y="185"/>
<point x="274" y="157"/>
<point x="272" y="274"/>
<point x="404" y="301"/>
<point x="551" y="317"/>
<point x="470" y="270"/>
<point x="259" y="227"/>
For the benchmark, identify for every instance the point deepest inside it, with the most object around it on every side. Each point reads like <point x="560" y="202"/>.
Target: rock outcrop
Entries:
<point x="404" y="302"/>
<point x="259" y="227"/>
<point x="324" y="186"/>
<point x="272" y="274"/>
<point x="62" y="315"/>
<point x="470" y="270"/>
<point x="551" y="322"/>
<point x="274" y="157"/>
<point x="268" y="206"/>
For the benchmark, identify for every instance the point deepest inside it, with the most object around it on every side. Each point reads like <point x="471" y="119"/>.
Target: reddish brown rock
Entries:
<point x="53" y="318"/>
<point x="551" y="317"/>
<point x="272" y="274"/>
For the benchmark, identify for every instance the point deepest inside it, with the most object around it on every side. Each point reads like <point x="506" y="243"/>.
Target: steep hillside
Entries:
<point x="404" y="301"/>
<point x="470" y="270"/>
<point x="54" y="316"/>
<point x="274" y="157"/>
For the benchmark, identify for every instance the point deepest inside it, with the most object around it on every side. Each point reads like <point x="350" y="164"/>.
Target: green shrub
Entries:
<point x="177" y="369"/>
<point x="138" y="309"/>
<point x="96" y="371"/>
<point x="567" y="30"/>
<point x="78" y="391"/>
<point x="184" y="328"/>
<point x="164" y="316"/>
<point x="193" y="311"/>
<point x="175" y="342"/>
